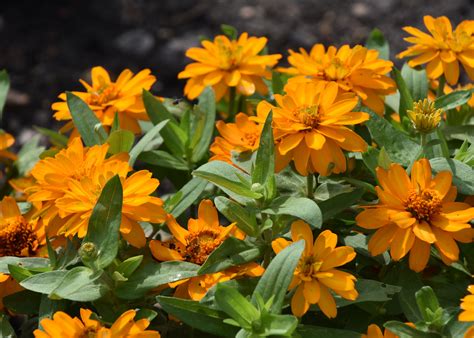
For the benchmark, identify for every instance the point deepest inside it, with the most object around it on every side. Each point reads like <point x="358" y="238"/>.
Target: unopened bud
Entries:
<point x="88" y="251"/>
<point x="257" y="187"/>
<point x="425" y="116"/>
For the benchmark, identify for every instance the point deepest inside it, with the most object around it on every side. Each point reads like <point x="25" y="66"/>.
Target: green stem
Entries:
<point x="440" y="91"/>
<point x="310" y="186"/>
<point x="422" y="143"/>
<point x="443" y="143"/>
<point x="230" y="111"/>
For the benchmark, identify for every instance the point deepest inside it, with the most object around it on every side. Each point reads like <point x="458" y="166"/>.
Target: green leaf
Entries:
<point x="229" y="31"/>
<point x="300" y="207"/>
<point x="405" y="331"/>
<point x="453" y="99"/>
<point x="406" y="100"/>
<point x="462" y="173"/>
<point x="151" y="274"/>
<point x="416" y="82"/>
<point x="384" y="160"/>
<point x="308" y="331"/>
<point x="427" y="300"/>
<point x="197" y="315"/>
<point x="236" y="306"/>
<point x="29" y="155"/>
<point x="277" y="83"/>
<point x="104" y="225"/>
<point x="173" y="136"/>
<point x="121" y="141"/>
<point x="206" y="118"/>
<point x="44" y="282"/>
<point x="370" y="291"/>
<point x="128" y="266"/>
<point x="55" y="138"/>
<point x="278" y="275"/>
<point x="231" y="252"/>
<point x="410" y="282"/>
<point x="48" y="307"/>
<point x="231" y="180"/>
<point x="278" y="325"/>
<point x="6" y="330"/>
<point x="163" y="159"/>
<point x="86" y="121"/>
<point x="80" y="284"/>
<point x="145" y="140"/>
<point x="4" y="87"/>
<point x="24" y="262"/>
<point x="462" y="133"/>
<point x="333" y="206"/>
<point x="24" y="302"/>
<point x="244" y="217"/>
<point x="185" y="197"/>
<point x="376" y="40"/>
<point x="398" y="145"/>
<point x="264" y="169"/>
<point x="19" y="273"/>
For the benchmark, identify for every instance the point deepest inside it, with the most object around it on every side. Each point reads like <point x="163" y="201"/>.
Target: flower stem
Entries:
<point x="310" y="185"/>
<point x="230" y="111"/>
<point x="440" y="90"/>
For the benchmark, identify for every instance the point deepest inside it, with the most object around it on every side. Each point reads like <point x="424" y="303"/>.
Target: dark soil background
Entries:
<point x="46" y="46"/>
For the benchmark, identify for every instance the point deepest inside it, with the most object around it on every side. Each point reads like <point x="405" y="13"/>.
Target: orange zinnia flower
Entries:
<point x="241" y="136"/>
<point x="309" y="124"/>
<point x="315" y="274"/>
<point x="374" y="331"/>
<point x="443" y="49"/>
<point x="20" y="236"/>
<point x="467" y="305"/>
<point x="194" y="245"/>
<point x="6" y="141"/>
<point x="226" y="63"/>
<point x="107" y="98"/>
<point x="70" y="183"/>
<point x="62" y="325"/>
<point x="357" y="70"/>
<point x="413" y="214"/>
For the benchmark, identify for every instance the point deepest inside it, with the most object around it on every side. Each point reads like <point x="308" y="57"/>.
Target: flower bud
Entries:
<point x="88" y="251"/>
<point x="425" y="116"/>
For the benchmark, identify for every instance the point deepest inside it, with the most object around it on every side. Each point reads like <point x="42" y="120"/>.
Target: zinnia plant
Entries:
<point x="331" y="198"/>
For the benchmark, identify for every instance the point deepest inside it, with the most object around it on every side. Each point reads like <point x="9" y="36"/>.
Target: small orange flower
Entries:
<point x="6" y="141"/>
<point x="442" y="49"/>
<point x="358" y="70"/>
<point x="107" y="98"/>
<point x="70" y="184"/>
<point x="467" y="305"/>
<point x="62" y="325"/>
<point x="225" y="63"/>
<point x="194" y="245"/>
<point x="374" y="331"/>
<point x="315" y="274"/>
<point x="241" y="136"/>
<point x="414" y="213"/>
<point x="310" y="127"/>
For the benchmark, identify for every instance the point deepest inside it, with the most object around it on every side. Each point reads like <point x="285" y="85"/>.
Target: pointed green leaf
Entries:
<point x="264" y="168"/>
<point x="416" y="82"/>
<point x="4" y="87"/>
<point x="185" y="197"/>
<point x="80" y="284"/>
<point x="236" y="306"/>
<point x="163" y="159"/>
<point x="121" y="141"/>
<point x="453" y="99"/>
<point x="206" y="117"/>
<point x="376" y="40"/>
<point x="145" y="140"/>
<point x="244" y="217"/>
<point x="300" y="207"/>
<point x="406" y="100"/>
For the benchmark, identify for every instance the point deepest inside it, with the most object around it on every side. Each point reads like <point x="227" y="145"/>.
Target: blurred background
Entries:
<point x="46" y="46"/>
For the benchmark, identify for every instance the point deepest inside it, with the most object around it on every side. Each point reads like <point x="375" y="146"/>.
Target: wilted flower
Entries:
<point x="414" y="213"/>
<point x="309" y="124"/>
<point x="358" y="70"/>
<point x="241" y="136"/>
<point x="194" y="245"/>
<point x="315" y="274"/>
<point x="107" y="98"/>
<point x="442" y="49"/>
<point x="70" y="184"/>
<point x="62" y="325"/>
<point x="225" y="63"/>
<point x="425" y="116"/>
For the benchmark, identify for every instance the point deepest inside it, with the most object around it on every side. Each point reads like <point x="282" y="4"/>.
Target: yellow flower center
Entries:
<point x="423" y="205"/>
<point x="335" y="70"/>
<point x="105" y="94"/>
<point x="250" y="139"/>
<point x="228" y="55"/>
<point x="308" y="115"/>
<point x="199" y="245"/>
<point x="17" y="238"/>
<point x="308" y="266"/>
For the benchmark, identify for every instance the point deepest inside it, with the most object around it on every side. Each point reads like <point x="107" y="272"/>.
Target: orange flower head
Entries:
<point x="442" y="48"/>
<point x="467" y="306"/>
<point x="71" y="182"/>
<point x="107" y="98"/>
<point x="225" y="63"/>
<point x="310" y="127"/>
<point x="241" y="136"/>
<point x="194" y="245"/>
<point x="414" y="213"/>
<point x="62" y="325"/>
<point x="373" y="331"/>
<point x="6" y="141"/>
<point x="357" y="70"/>
<point x="316" y="273"/>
